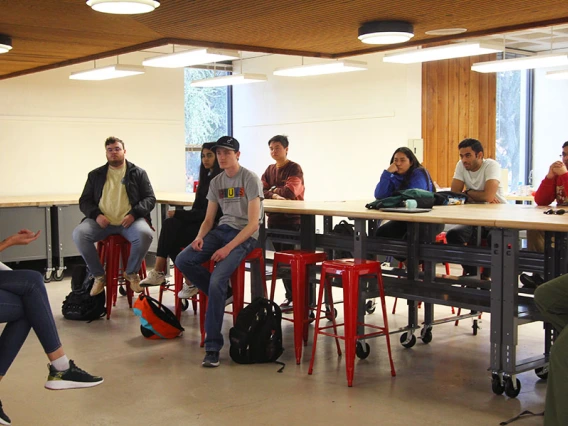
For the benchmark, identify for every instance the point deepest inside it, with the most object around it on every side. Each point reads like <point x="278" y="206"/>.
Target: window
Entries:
<point x="207" y="118"/>
<point x="513" y="130"/>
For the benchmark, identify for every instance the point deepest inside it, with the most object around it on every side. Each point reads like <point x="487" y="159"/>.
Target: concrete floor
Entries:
<point x="162" y="382"/>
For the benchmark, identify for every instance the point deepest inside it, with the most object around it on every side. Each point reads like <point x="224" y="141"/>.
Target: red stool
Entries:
<point x="298" y="261"/>
<point x="238" y="286"/>
<point x="350" y="271"/>
<point x="112" y="250"/>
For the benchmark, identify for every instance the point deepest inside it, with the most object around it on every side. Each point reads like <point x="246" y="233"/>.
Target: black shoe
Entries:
<point x="531" y="282"/>
<point x="287" y="303"/>
<point x="72" y="378"/>
<point x="211" y="359"/>
<point x="4" y="419"/>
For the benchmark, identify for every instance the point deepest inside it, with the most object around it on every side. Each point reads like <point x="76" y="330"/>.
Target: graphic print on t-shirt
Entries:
<point x="236" y="193"/>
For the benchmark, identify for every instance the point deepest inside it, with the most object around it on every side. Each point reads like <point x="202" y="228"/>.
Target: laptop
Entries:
<point x="404" y="210"/>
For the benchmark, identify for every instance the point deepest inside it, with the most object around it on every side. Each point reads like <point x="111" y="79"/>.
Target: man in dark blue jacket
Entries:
<point x="117" y="199"/>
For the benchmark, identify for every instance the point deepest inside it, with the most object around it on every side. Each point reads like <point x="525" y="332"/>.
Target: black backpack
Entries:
<point x="257" y="334"/>
<point x="79" y="305"/>
<point x="343" y="228"/>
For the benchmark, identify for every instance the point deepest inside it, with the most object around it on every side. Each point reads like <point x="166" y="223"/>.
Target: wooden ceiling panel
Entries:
<point x="53" y="33"/>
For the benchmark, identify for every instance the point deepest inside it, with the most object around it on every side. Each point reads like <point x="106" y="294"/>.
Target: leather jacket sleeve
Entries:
<point x="88" y="203"/>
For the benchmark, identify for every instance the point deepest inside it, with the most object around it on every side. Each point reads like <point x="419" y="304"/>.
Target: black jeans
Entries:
<point x="465" y="234"/>
<point x="397" y="230"/>
<point x="174" y="236"/>
<point x="24" y="305"/>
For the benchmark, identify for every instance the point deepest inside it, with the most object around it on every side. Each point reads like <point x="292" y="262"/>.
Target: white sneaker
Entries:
<point x="154" y="278"/>
<point x="188" y="291"/>
<point x="98" y="285"/>
<point x="134" y="280"/>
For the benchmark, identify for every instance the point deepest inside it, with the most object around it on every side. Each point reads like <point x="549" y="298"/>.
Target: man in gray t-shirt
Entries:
<point x="479" y="179"/>
<point x="238" y="192"/>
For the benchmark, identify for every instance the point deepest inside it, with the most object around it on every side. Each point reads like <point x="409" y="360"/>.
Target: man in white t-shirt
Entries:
<point x="478" y="178"/>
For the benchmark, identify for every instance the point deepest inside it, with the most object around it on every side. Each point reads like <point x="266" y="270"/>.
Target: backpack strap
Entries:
<point x="524" y="414"/>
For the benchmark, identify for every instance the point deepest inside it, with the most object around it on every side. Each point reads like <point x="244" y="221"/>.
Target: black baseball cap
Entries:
<point x="227" y="142"/>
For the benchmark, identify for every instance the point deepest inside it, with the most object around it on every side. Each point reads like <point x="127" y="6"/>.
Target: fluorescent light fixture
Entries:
<point x="5" y="43"/>
<point x="529" y="62"/>
<point x="123" y="7"/>
<point x="229" y="80"/>
<point x="557" y="75"/>
<point x="386" y="32"/>
<point x="457" y="50"/>
<point x="106" y="73"/>
<point x="320" y="69"/>
<point x="191" y="57"/>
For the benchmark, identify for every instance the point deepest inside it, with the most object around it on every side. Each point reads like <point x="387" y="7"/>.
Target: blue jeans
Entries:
<point x="214" y="284"/>
<point x="24" y="305"/>
<point x="89" y="232"/>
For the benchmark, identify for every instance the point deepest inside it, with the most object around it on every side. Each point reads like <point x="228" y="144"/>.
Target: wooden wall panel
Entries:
<point x="457" y="103"/>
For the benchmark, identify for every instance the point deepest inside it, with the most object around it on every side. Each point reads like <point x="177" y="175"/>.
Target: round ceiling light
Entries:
<point x="123" y="7"/>
<point x="446" y="31"/>
<point x="386" y="32"/>
<point x="5" y="43"/>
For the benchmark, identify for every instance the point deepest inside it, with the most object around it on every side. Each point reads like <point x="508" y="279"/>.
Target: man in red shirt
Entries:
<point x="552" y="188"/>
<point x="283" y="180"/>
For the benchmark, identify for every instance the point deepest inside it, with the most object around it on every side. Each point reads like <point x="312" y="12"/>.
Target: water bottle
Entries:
<point x="410" y="204"/>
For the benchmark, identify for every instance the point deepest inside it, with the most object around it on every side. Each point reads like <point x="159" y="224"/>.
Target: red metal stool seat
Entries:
<point x="298" y="261"/>
<point x="112" y="250"/>
<point x="350" y="271"/>
<point x="238" y="286"/>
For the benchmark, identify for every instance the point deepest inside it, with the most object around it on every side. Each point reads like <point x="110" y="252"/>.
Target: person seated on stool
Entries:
<point x="238" y="192"/>
<point x="404" y="172"/>
<point x="552" y="188"/>
<point x="181" y="226"/>
<point x="283" y="180"/>
<point x="117" y="199"/>
<point x="25" y="306"/>
<point x="478" y="178"/>
<point x="551" y="298"/>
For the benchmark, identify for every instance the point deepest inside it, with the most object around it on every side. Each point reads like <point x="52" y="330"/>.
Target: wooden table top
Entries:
<point x="39" y="200"/>
<point x="513" y="216"/>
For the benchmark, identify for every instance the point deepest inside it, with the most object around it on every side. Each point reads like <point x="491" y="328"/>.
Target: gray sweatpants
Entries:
<point x="552" y="300"/>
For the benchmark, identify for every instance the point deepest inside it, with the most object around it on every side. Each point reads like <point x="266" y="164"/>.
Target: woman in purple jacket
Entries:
<point x="404" y="172"/>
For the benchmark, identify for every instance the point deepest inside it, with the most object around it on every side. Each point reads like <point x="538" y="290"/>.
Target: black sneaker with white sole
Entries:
<point x="72" y="378"/>
<point x="211" y="359"/>
<point x="4" y="419"/>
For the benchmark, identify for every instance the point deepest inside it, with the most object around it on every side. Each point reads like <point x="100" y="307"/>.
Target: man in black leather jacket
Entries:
<point x="117" y="199"/>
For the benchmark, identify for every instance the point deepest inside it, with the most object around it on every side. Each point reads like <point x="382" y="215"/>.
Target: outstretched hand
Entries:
<point x="23" y="237"/>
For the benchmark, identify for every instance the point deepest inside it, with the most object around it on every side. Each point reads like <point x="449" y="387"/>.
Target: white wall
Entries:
<point x="550" y="123"/>
<point x="52" y="129"/>
<point x="343" y="128"/>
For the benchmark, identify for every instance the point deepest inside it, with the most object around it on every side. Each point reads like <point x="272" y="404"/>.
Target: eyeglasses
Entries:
<point x="552" y="211"/>
<point x="564" y="154"/>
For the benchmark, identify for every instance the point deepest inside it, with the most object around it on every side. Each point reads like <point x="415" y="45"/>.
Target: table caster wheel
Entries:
<point x="406" y="341"/>
<point x="496" y="386"/>
<point x="362" y="350"/>
<point x="542" y="372"/>
<point x="426" y="335"/>
<point x="510" y="390"/>
<point x="184" y="304"/>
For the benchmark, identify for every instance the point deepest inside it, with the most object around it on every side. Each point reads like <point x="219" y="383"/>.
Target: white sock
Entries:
<point x="61" y="363"/>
